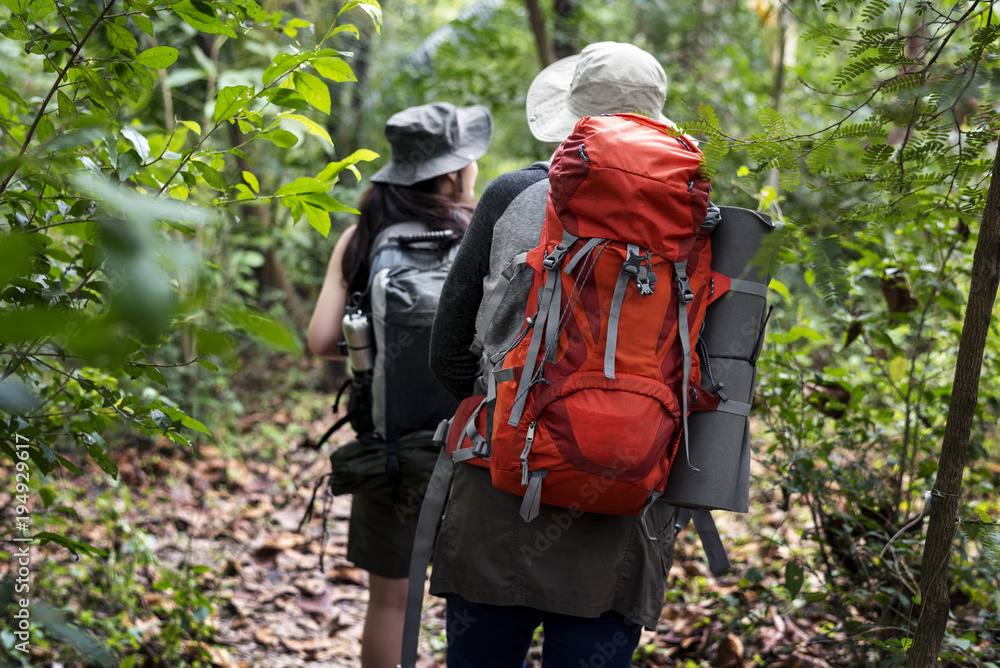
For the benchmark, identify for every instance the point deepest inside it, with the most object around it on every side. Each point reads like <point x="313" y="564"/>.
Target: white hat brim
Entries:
<point x="547" y="102"/>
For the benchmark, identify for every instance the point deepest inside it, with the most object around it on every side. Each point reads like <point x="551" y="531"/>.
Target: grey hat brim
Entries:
<point x="547" y="102"/>
<point x="475" y="131"/>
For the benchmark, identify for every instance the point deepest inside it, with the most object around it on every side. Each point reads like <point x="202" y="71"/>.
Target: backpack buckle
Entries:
<point x="553" y="259"/>
<point x="683" y="284"/>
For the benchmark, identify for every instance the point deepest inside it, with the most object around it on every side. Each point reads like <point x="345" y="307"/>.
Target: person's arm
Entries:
<point x="324" y="326"/>
<point x="454" y="365"/>
<point x="454" y="328"/>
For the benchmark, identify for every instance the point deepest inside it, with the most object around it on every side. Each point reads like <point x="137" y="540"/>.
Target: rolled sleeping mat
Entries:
<point x="733" y="335"/>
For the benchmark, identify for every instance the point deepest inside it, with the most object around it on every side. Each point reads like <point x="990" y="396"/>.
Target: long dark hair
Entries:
<point x="383" y="204"/>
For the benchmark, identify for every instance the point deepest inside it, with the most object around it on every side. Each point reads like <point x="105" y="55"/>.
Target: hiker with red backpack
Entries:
<point x="574" y="396"/>
<point x="411" y="217"/>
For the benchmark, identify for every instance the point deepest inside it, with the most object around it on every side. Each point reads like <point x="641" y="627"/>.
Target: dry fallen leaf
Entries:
<point x="730" y="654"/>
<point x="309" y="644"/>
<point x="265" y="636"/>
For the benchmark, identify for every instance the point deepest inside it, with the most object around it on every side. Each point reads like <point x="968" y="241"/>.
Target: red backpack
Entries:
<point x="586" y="410"/>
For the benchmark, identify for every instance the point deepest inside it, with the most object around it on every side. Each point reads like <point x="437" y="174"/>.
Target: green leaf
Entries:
<point x="98" y="454"/>
<point x="334" y="69"/>
<point x="191" y="423"/>
<point x="263" y="328"/>
<point x="128" y="164"/>
<point x="287" y="97"/>
<point x="231" y="101"/>
<point x="311" y="126"/>
<point x="15" y="30"/>
<point x="314" y="90"/>
<point x="67" y="110"/>
<point x="140" y="143"/>
<point x="780" y="288"/>
<point x="208" y="365"/>
<point x="301" y="185"/>
<point x="39" y="9"/>
<point x="143" y="23"/>
<point x="211" y="176"/>
<point x="347" y="27"/>
<point x="282" y="64"/>
<point x="159" y="57"/>
<point x="318" y="218"/>
<point x="154" y="375"/>
<point x="252" y="180"/>
<point x="120" y="38"/>
<point x="99" y="89"/>
<point x="282" y="138"/>
<point x="201" y="16"/>
<point x="326" y="202"/>
<point x="161" y="419"/>
<point x="370" y="7"/>
<point x="191" y="125"/>
<point x="804" y="333"/>
<point x="73" y="546"/>
<point x="794" y="577"/>
<point x="69" y="465"/>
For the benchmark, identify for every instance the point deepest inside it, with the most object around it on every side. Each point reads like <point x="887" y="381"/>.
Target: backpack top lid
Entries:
<point x="629" y="178"/>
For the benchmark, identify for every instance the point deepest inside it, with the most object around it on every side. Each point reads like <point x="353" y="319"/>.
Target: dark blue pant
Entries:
<point x="495" y="636"/>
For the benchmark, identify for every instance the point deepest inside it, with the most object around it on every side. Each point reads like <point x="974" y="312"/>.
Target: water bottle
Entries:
<point x="358" y="335"/>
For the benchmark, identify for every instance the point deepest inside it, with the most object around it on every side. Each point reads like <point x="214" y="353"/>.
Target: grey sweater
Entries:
<point x="565" y="562"/>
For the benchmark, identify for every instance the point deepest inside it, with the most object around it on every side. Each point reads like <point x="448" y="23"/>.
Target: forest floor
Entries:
<point x="229" y="515"/>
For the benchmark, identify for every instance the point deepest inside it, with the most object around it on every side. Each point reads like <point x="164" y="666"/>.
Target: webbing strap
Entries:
<point x="704" y="524"/>
<point x="615" y="315"/>
<point x="734" y="407"/>
<point x="684" y="297"/>
<point x="552" y="322"/>
<point x="517" y="409"/>
<point x="494" y="378"/>
<point x="653" y="496"/>
<point x="582" y="253"/>
<point x="423" y="545"/>
<point x="748" y="287"/>
<point x="533" y="496"/>
<point x="495" y="299"/>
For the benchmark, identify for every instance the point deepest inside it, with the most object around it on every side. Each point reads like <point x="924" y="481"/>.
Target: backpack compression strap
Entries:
<point x="704" y="525"/>
<point x="685" y="297"/>
<point x="548" y="307"/>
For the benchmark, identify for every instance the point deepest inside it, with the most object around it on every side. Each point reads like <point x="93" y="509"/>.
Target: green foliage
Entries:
<point x="119" y="186"/>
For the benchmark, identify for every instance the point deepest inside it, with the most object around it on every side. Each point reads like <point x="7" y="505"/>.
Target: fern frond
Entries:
<point x="854" y="70"/>
<point x="773" y="122"/>
<point x="824" y="256"/>
<point x="901" y="82"/>
<point x="874" y="10"/>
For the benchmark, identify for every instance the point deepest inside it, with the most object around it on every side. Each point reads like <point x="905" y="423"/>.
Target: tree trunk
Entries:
<point x="565" y="38"/>
<point x="965" y="393"/>
<point x="537" y="21"/>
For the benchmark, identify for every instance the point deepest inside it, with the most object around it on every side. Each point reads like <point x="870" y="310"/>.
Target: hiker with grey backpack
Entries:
<point x="375" y="308"/>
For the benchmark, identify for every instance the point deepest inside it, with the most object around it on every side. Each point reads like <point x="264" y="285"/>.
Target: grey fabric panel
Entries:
<point x="516" y="231"/>
<point x="720" y="441"/>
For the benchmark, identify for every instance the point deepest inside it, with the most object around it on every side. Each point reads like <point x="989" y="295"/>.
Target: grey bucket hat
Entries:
<point x="434" y="139"/>
<point x="604" y="78"/>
